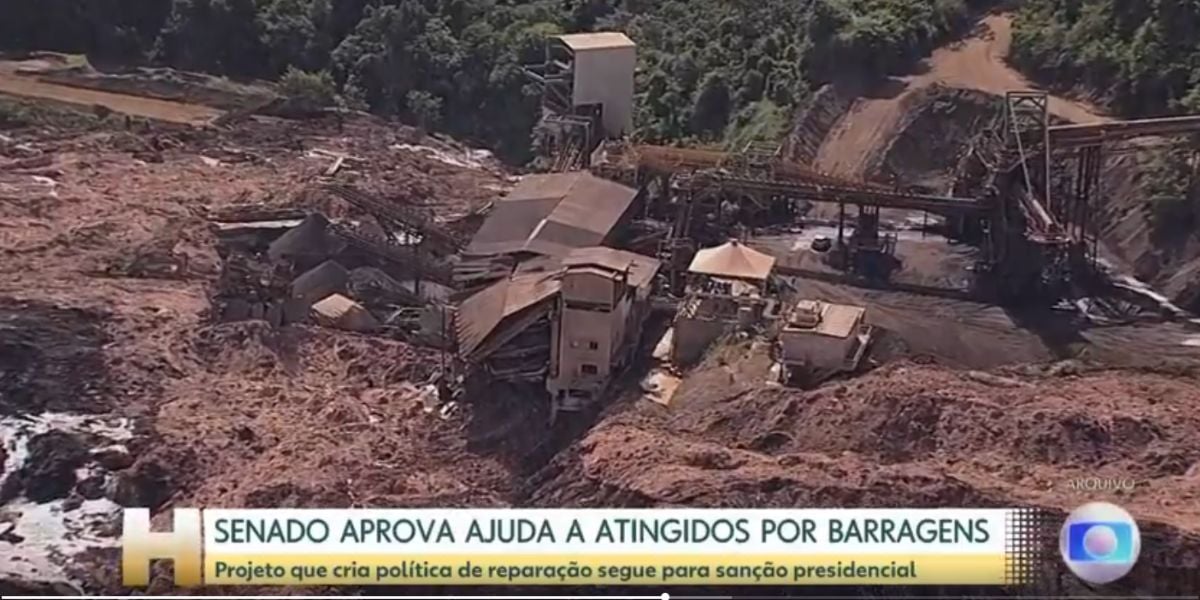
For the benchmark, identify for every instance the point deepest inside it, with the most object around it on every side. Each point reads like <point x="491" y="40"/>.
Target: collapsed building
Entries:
<point x="291" y="266"/>
<point x="546" y="215"/>
<point x="543" y="295"/>
<point x="604" y="300"/>
<point x="553" y="303"/>
<point x="570" y="323"/>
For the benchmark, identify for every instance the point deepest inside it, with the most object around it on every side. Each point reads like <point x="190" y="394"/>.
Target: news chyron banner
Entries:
<point x="588" y="547"/>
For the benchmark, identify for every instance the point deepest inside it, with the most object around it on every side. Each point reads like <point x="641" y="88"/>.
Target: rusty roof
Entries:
<point x="486" y="311"/>
<point x="500" y="305"/>
<point x="641" y="269"/>
<point x="553" y="213"/>
<point x="509" y="225"/>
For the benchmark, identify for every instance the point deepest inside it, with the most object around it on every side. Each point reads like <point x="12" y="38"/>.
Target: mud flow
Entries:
<point x="242" y="315"/>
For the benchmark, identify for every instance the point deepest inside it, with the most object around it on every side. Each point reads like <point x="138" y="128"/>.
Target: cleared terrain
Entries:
<point x="976" y="62"/>
<point x="17" y="83"/>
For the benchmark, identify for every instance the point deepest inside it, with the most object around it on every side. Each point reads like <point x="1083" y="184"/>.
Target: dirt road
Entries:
<point x="977" y="62"/>
<point x="17" y="84"/>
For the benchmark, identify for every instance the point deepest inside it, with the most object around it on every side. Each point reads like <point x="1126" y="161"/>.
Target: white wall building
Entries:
<point x="822" y="337"/>
<point x="604" y="65"/>
<point x="604" y="302"/>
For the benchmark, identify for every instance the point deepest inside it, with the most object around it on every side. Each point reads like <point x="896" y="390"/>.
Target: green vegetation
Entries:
<point x="308" y="91"/>
<point x="702" y="62"/>
<point x="1173" y="196"/>
<point x="710" y="71"/>
<point x="880" y="36"/>
<point x="762" y="121"/>
<point x="1140" y="56"/>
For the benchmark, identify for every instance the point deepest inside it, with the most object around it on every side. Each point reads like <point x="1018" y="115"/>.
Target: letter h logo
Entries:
<point x="182" y="545"/>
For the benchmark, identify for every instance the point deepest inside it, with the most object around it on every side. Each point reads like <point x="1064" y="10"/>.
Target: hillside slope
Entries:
<point x="978" y="62"/>
<point x="910" y="435"/>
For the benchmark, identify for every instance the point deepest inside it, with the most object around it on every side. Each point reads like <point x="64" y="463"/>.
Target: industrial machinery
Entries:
<point x="587" y="95"/>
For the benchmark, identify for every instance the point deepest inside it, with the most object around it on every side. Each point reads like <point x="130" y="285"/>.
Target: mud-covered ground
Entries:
<point x="907" y="434"/>
<point x="117" y="385"/>
<point x="156" y="404"/>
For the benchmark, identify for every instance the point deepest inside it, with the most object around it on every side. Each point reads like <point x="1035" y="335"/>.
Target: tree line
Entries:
<point x="1139" y="57"/>
<point x="708" y="69"/>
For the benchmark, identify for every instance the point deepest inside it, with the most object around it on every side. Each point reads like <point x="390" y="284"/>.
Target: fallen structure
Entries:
<point x="571" y="323"/>
<point x="545" y="215"/>
<point x="341" y="312"/>
<point x="604" y="300"/>
<point x="291" y="266"/>
<point x="505" y="328"/>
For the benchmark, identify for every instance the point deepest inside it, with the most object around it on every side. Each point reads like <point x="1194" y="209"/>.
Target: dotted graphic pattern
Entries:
<point x="1029" y="541"/>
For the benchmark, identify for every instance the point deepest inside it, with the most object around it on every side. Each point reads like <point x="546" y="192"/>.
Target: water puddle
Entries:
<point x="43" y="543"/>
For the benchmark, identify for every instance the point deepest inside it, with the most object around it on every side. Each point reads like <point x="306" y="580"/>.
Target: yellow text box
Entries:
<point x="598" y="569"/>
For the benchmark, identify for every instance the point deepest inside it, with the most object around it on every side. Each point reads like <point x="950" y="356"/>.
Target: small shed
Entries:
<point x="341" y="312"/>
<point x="824" y="336"/>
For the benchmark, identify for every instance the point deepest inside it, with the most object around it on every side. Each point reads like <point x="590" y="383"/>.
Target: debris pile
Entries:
<point x="1024" y="433"/>
<point x="143" y="316"/>
<point x="361" y="273"/>
<point x="249" y="289"/>
<point x="250" y="314"/>
<point x="904" y="435"/>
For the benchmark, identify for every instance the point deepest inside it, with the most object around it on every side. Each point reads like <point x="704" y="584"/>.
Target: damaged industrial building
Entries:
<point x="569" y="323"/>
<point x="923" y="291"/>
<point x="552" y="286"/>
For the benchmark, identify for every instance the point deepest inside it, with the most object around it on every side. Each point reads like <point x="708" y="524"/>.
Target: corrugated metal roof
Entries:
<point x="540" y="264"/>
<point x="510" y="224"/>
<point x="642" y="269"/>
<point x="595" y="41"/>
<point x="733" y="259"/>
<point x="497" y="307"/>
<point x="594" y="204"/>
<point x="553" y="213"/>
<point x="566" y="237"/>
<point x="485" y="312"/>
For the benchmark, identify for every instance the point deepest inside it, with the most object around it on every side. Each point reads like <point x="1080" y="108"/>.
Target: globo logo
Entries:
<point x="1100" y="542"/>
